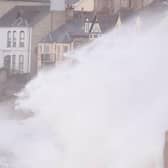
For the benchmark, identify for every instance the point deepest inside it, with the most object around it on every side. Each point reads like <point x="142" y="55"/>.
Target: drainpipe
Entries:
<point x="29" y="50"/>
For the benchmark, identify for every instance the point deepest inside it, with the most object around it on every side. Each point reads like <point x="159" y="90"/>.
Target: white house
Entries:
<point x="15" y="49"/>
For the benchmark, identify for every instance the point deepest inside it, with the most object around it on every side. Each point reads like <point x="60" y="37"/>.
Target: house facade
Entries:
<point x="15" y="49"/>
<point x="52" y="53"/>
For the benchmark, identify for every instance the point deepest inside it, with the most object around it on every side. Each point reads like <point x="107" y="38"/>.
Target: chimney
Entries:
<point x="57" y="13"/>
<point x="19" y="14"/>
<point x="69" y="12"/>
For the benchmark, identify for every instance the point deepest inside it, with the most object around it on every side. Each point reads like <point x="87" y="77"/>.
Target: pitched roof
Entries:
<point x="23" y="16"/>
<point x="66" y="1"/>
<point x="66" y="32"/>
<point x="75" y="27"/>
<point x="70" y="2"/>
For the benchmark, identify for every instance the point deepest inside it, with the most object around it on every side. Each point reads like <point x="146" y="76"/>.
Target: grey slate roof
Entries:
<point x="47" y="1"/>
<point x="23" y="16"/>
<point x="75" y="27"/>
<point x="66" y="32"/>
<point x="71" y="1"/>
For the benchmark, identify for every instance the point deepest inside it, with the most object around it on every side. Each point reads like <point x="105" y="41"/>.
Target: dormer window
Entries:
<point x="87" y="25"/>
<point x="22" y="39"/>
<point x="9" y="39"/>
<point x="46" y="48"/>
<point x="95" y="27"/>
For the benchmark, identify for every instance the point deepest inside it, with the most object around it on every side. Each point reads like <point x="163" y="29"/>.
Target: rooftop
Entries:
<point x="23" y="16"/>
<point x="75" y="27"/>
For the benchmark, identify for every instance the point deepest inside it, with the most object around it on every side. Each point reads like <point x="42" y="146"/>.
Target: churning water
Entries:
<point x="106" y="109"/>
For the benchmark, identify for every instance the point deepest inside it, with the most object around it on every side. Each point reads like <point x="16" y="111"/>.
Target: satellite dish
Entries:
<point x="57" y="5"/>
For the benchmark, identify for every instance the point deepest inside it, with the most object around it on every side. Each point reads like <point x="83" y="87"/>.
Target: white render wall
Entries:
<point x="25" y="51"/>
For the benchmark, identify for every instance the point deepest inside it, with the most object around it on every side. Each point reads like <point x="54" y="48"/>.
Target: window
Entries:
<point x="9" y="39"/>
<point x="58" y="50"/>
<point x="40" y="48"/>
<point x="45" y="58"/>
<point x="55" y="48"/>
<point x="95" y="35"/>
<point x="91" y="36"/>
<point x="21" y="63"/>
<point x="65" y="49"/>
<point x="13" y="63"/>
<point x="14" y="38"/>
<point x="7" y="62"/>
<point x="22" y="39"/>
<point x="46" y="49"/>
<point x="58" y="53"/>
<point x="87" y="25"/>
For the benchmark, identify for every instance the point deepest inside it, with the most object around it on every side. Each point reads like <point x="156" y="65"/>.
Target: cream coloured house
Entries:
<point x="53" y="52"/>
